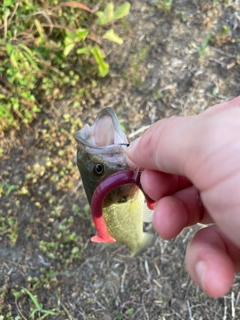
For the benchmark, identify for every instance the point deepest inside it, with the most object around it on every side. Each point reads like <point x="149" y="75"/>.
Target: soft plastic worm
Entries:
<point x="114" y="180"/>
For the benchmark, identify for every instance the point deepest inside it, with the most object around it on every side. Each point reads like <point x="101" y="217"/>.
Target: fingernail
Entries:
<point x="130" y="153"/>
<point x="200" y="272"/>
<point x="134" y="144"/>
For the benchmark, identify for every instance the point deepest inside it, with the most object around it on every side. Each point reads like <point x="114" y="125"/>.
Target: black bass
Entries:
<point x="101" y="153"/>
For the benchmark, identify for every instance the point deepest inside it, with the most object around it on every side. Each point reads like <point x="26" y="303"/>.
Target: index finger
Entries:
<point x="186" y="145"/>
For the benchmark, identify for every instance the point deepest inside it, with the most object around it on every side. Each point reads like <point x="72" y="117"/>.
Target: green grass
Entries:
<point x="202" y="50"/>
<point x="36" y="308"/>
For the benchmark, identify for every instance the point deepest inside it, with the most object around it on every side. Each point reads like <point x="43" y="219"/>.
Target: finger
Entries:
<point x="211" y="261"/>
<point x="173" y="213"/>
<point x="222" y="201"/>
<point x="158" y="184"/>
<point x="206" y="150"/>
<point x="188" y="146"/>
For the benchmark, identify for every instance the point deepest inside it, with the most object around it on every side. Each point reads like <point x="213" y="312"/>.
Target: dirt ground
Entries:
<point x="173" y="62"/>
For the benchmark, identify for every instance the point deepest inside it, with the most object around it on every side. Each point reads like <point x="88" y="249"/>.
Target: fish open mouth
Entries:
<point x="105" y="132"/>
<point x="102" y="146"/>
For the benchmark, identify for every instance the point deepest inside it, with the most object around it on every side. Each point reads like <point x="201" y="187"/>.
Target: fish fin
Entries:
<point x="99" y="239"/>
<point x="147" y="214"/>
<point x="147" y="241"/>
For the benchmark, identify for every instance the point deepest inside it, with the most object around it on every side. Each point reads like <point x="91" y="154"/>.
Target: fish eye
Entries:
<point x="98" y="169"/>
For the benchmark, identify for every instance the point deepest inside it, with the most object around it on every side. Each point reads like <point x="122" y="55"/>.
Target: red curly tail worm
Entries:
<point x="114" y="180"/>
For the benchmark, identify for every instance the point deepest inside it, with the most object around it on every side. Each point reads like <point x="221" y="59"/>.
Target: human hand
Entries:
<point x="192" y="169"/>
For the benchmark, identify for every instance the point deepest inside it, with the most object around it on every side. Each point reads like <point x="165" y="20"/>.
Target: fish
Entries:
<point x="101" y="154"/>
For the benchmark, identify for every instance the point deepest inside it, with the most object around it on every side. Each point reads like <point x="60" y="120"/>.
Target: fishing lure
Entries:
<point x="116" y="179"/>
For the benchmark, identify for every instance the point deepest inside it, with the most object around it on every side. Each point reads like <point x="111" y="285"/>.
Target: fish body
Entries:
<point x="102" y="152"/>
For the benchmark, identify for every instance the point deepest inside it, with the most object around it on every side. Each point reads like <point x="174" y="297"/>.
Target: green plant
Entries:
<point x="165" y="5"/>
<point x="183" y="16"/>
<point x="104" y="18"/>
<point x="6" y="188"/>
<point x="204" y="47"/>
<point x="9" y="228"/>
<point x="37" y="306"/>
<point x="67" y="242"/>
<point x="45" y="48"/>
<point x="157" y="94"/>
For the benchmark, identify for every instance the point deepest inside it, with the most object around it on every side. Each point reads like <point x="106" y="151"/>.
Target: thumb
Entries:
<point x="185" y="145"/>
<point x="166" y="145"/>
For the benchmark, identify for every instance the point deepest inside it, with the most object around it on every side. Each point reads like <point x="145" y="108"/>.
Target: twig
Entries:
<point x="233" y="305"/>
<point x="157" y="284"/>
<point x="123" y="278"/>
<point x="79" y="184"/>
<point x="225" y="309"/>
<point x="6" y="23"/>
<point x="56" y="26"/>
<point x="189" y="310"/>
<point x="14" y="11"/>
<point x="19" y="310"/>
<point x="147" y="269"/>
<point x="143" y="304"/>
<point x="66" y="311"/>
<point x="48" y="19"/>
<point x="75" y="4"/>
<point x="140" y="130"/>
<point x="223" y="52"/>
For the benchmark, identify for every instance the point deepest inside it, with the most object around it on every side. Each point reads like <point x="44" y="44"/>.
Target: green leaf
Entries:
<point x="84" y="50"/>
<point x="8" y="3"/>
<point x="33" y="312"/>
<point x="109" y="14"/>
<point x="4" y="112"/>
<point x="33" y="298"/>
<point x="77" y="36"/>
<point x="10" y="48"/>
<point x="81" y="33"/>
<point x="68" y="48"/>
<point x="40" y="31"/>
<point x="15" y="106"/>
<point x="103" y="67"/>
<point x="17" y="294"/>
<point x="70" y="34"/>
<point x="130" y="311"/>
<point x="72" y="38"/>
<point x="31" y="61"/>
<point x="9" y="189"/>
<point x="75" y="250"/>
<point x="22" y="46"/>
<point x="122" y="11"/>
<point x="13" y="59"/>
<point x="112" y="36"/>
<point x="35" y="108"/>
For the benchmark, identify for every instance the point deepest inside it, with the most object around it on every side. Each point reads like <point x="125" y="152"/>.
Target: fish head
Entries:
<point x="101" y="152"/>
